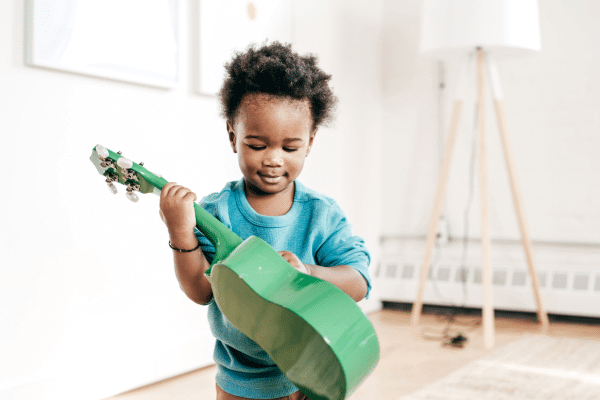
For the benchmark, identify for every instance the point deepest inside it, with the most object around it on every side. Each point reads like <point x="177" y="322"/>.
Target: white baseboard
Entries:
<point x="569" y="276"/>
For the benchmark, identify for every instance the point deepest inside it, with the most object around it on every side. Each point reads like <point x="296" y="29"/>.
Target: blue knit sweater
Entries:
<point x="316" y="230"/>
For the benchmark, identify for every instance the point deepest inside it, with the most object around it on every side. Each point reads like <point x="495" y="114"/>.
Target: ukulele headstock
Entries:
<point x="118" y="169"/>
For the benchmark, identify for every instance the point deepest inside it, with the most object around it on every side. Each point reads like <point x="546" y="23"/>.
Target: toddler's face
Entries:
<point x="272" y="137"/>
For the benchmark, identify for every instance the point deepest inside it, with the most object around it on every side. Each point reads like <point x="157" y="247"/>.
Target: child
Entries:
<point x="273" y="101"/>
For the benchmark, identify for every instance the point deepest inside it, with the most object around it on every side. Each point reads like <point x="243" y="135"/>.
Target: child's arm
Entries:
<point x="343" y="276"/>
<point x="177" y="212"/>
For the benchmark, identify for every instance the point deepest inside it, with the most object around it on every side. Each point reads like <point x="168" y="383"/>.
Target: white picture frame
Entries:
<point x="227" y="26"/>
<point x="126" y="40"/>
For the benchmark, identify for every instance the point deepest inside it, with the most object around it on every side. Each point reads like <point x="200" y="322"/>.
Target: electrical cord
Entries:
<point x="448" y="336"/>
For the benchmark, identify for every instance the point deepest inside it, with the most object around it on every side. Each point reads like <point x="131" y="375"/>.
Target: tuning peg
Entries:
<point x="132" y="196"/>
<point x="110" y="178"/>
<point x="124" y="163"/>
<point x="102" y="151"/>
<point x="112" y="187"/>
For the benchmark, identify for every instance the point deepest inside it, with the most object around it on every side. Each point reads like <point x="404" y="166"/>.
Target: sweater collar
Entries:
<point x="266" y="221"/>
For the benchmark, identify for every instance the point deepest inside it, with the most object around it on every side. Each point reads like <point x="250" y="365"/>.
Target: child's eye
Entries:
<point x="290" y="149"/>
<point x="254" y="147"/>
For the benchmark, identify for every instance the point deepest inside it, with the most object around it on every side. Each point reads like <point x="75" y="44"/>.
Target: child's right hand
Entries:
<point x="177" y="208"/>
<point x="177" y="212"/>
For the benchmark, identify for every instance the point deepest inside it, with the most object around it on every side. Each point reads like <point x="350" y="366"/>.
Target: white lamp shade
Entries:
<point x="451" y="28"/>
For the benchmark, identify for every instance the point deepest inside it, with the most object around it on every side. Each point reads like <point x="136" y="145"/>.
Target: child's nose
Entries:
<point x="274" y="158"/>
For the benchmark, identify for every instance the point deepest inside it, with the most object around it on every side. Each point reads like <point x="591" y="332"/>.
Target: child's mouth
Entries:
<point x="271" y="179"/>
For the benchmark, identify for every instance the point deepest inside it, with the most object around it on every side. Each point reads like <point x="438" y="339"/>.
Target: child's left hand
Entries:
<point x="295" y="262"/>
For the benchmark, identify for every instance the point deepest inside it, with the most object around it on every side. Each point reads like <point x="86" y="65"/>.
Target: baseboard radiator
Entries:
<point x="569" y="275"/>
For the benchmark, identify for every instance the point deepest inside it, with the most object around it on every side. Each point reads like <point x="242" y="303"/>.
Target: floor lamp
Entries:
<point x="455" y="29"/>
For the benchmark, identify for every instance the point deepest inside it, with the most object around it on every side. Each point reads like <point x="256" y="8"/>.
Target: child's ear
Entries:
<point x="311" y="138"/>
<point x="232" y="137"/>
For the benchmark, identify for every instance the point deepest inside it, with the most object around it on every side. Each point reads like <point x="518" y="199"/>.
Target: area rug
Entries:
<point x="529" y="368"/>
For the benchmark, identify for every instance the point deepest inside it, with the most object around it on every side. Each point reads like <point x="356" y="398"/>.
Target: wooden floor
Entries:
<point x="408" y="360"/>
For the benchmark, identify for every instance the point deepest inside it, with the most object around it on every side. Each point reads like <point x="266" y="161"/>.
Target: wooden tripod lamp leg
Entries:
<point x="517" y="197"/>
<point x="439" y="197"/>
<point x="488" y="309"/>
<point x="437" y="210"/>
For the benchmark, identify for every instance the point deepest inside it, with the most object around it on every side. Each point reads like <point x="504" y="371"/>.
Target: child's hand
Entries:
<point x="295" y="261"/>
<point x="177" y="208"/>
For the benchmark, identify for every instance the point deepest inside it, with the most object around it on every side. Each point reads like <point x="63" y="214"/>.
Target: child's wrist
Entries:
<point x="183" y="240"/>
<point x="177" y="249"/>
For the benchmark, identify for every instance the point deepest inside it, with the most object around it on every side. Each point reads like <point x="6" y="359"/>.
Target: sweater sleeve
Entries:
<point x="341" y="247"/>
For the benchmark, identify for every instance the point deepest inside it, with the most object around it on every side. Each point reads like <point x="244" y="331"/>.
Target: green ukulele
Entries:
<point x="313" y="331"/>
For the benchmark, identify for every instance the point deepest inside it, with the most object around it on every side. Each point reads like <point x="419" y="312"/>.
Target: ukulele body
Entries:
<point x="313" y="331"/>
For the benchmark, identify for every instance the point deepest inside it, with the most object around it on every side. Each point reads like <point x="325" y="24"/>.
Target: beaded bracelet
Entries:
<point x="184" y="251"/>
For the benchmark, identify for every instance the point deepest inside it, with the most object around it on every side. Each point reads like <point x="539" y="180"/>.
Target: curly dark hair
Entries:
<point x="276" y="70"/>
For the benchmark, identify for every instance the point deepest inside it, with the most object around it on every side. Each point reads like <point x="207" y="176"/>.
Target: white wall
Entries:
<point x="346" y="159"/>
<point x="552" y="102"/>
<point x="89" y="304"/>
